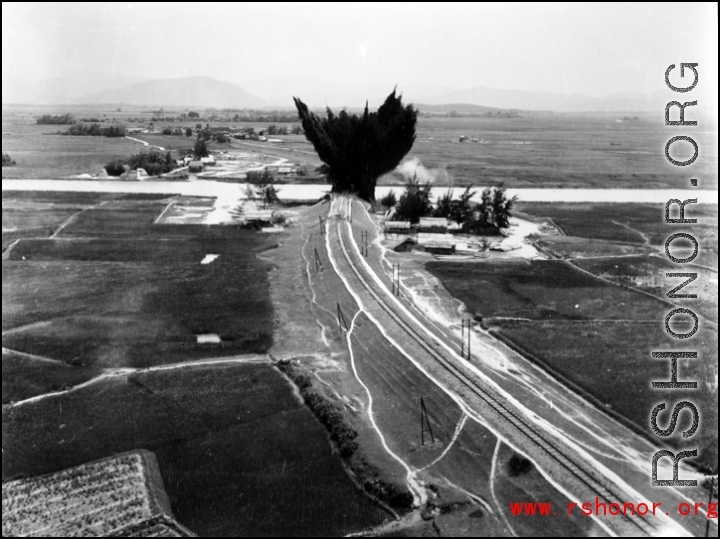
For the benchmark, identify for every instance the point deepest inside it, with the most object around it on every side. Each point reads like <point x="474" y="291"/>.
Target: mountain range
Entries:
<point x="201" y="92"/>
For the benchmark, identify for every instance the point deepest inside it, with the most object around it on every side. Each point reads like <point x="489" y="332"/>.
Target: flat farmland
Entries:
<point x="25" y="376"/>
<point x="127" y="293"/>
<point x="635" y="223"/>
<point x="540" y="290"/>
<point x="647" y="273"/>
<point x="557" y="150"/>
<point x="27" y="214"/>
<point x="226" y="440"/>
<point x="596" y="336"/>
<point x="533" y="150"/>
<point x="41" y="153"/>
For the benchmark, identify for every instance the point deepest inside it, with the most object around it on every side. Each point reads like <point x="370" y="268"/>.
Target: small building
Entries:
<point x="397" y="227"/>
<point x="196" y="166"/>
<point x="440" y="248"/>
<point x="435" y="225"/>
<point x="209" y="160"/>
<point x="258" y="216"/>
<point x="284" y="170"/>
<point x="405" y="247"/>
<point x="137" y="174"/>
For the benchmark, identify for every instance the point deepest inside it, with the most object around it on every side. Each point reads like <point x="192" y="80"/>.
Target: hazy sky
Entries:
<point x="593" y="49"/>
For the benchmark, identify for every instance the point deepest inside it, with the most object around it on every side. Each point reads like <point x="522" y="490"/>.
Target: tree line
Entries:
<point x="154" y="163"/>
<point x="492" y="213"/>
<point x="56" y="119"/>
<point x="94" y="130"/>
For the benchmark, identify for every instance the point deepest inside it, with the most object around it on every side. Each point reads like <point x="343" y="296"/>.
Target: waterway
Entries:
<point x="314" y="192"/>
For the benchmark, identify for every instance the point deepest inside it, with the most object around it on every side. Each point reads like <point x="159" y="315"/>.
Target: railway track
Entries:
<point x="603" y="492"/>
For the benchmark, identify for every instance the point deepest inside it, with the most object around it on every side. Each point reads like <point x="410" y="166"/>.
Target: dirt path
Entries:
<point x="644" y="236"/>
<point x="119" y="372"/>
<point x="145" y="143"/>
<point x="70" y="219"/>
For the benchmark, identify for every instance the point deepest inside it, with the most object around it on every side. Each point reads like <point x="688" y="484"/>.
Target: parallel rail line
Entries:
<point x="550" y="448"/>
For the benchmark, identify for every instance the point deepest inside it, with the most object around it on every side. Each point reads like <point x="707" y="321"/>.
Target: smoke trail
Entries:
<point x="413" y="167"/>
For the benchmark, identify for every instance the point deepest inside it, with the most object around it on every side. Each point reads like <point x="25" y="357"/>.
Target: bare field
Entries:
<point x="110" y="496"/>
<point x="533" y="150"/>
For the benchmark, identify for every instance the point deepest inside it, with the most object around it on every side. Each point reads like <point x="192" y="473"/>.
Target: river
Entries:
<point x="314" y="192"/>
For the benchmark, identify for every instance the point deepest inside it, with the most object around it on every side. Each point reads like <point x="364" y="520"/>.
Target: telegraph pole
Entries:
<point x="424" y="420"/>
<point x="341" y="319"/>
<point x="318" y="263"/>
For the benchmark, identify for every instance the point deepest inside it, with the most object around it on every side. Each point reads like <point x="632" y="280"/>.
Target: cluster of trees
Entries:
<point x="200" y="149"/>
<point x="56" y="119"/>
<point x="7" y="161"/>
<point x="94" y="130"/>
<point x="327" y="413"/>
<point x="357" y="150"/>
<point x="207" y="133"/>
<point x="154" y="163"/>
<point x="263" y="189"/>
<point x="492" y="213"/>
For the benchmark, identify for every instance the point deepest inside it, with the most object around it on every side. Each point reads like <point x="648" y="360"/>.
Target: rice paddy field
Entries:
<point x="111" y="289"/>
<point x="103" y="311"/>
<point x="239" y="454"/>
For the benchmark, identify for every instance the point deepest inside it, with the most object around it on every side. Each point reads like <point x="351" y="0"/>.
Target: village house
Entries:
<point x="196" y="166"/>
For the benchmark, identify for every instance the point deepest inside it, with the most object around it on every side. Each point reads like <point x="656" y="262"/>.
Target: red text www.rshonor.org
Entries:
<point x="599" y="508"/>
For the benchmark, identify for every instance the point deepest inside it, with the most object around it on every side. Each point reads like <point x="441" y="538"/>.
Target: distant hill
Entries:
<point x="186" y="91"/>
<point x="318" y="93"/>
<point x="61" y="90"/>
<point x="529" y="100"/>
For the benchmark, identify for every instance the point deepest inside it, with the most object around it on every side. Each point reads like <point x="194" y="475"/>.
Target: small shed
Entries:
<point x="196" y="166"/>
<point x="397" y="227"/>
<point x="208" y="161"/>
<point x="436" y="225"/>
<point x="263" y="216"/>
<point x="405" y="247"/>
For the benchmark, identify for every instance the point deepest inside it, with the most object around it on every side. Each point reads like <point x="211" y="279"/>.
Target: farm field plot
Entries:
<point x="31" y="214"/>
<point x="579" y="327"/>
<point x="574" y="247"/>
<point x="226" y="440"/>
<point x="25" y="376"/>
<point x="41" y="153"/>
<point x="540" y="290"/>
<point x="647" y="273"/>
<point x="139" y="298"/>
<point x="553" y="150"/>
<point x="126" y="490"/>
<point x="633" y="223"/>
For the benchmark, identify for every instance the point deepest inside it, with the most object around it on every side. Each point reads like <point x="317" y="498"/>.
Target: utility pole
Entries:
<point x="465" y="334"/>
<point x="341" y="319"/>
<point x="396" y="279"/>
<point x="318" y="263"/>
<point x="322" y="225"/>
<point x="424" y="420"/>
